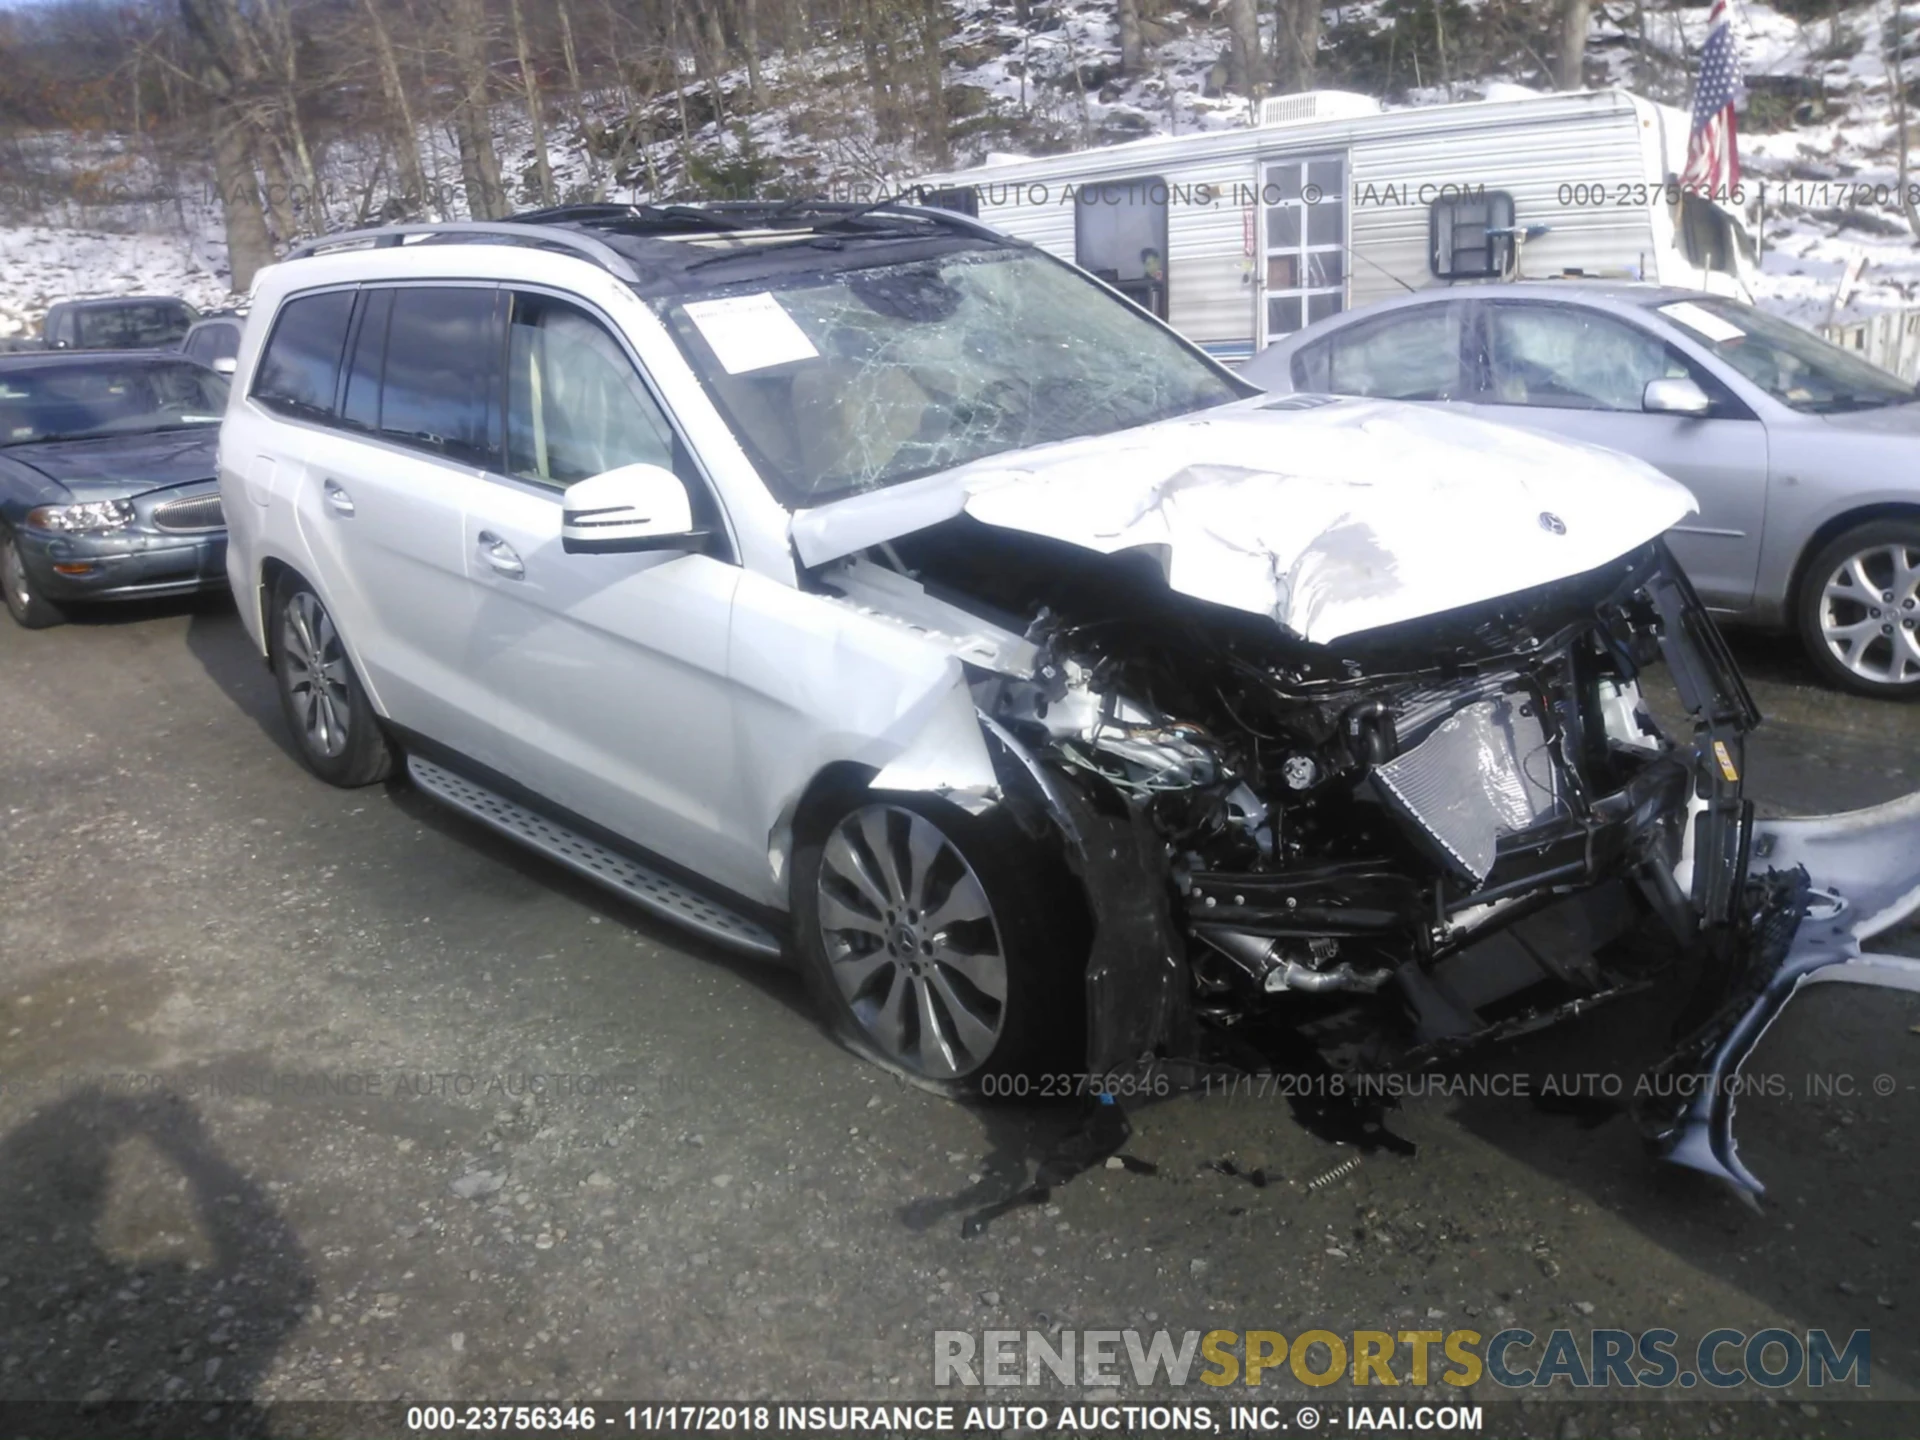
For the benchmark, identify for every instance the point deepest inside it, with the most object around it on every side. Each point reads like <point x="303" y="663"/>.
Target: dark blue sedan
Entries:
<point x="107" y="480"/>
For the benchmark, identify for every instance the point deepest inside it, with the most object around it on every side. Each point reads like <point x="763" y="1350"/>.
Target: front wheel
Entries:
<point x="1860" y="609"/>
<point x="334" y="727"/>
<point x="939" y="944"/>
<point x="29" y="608"/>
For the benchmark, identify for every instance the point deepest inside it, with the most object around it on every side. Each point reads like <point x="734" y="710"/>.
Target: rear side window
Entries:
<point x="300" y="368"/>
<point x="442" y="344"/>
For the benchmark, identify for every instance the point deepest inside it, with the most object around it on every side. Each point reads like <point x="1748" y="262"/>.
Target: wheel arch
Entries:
<point x="272" y="571"/>
<point x="275" y="571"/>
<point x="1829" y="530"/>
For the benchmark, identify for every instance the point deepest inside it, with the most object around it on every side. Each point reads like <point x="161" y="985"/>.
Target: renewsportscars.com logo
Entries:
<point x="1514" y="1358"/>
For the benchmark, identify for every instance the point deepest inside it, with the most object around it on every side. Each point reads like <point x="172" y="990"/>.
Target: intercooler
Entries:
<point x="1485" y="771"/>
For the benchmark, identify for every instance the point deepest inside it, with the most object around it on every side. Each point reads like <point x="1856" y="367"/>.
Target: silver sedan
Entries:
<point x="1805" y="459"/>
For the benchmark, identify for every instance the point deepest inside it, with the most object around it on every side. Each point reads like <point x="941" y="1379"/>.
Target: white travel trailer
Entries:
<point x="1239" y="237"/>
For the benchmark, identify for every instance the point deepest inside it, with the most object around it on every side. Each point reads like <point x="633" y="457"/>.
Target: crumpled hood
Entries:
<point x="1330" y="516"/>
<point x="115" y="467"/>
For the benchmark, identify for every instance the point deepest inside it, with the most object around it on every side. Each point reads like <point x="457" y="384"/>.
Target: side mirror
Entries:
<point x="225" y="364"/>
<point x="630" y="509"/>
<point x="1675" y="396"/>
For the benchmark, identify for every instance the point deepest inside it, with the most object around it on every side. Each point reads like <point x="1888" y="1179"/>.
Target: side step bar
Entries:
<point x="645" y="887"/>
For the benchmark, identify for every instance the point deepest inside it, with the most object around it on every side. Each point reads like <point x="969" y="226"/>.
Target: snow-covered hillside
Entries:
<point x="1819" y="133"/>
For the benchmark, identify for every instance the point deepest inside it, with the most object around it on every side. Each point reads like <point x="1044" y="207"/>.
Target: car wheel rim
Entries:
<point x="1869" y="609"/>
<point x="316" y="668"/>
<point x="912" y="941"/>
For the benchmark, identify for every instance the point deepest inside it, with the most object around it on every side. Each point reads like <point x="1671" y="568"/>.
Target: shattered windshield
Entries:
<point x="852" y="380"/>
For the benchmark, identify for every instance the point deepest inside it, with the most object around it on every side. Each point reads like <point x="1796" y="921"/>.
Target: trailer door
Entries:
<point x="1303" y="243"/>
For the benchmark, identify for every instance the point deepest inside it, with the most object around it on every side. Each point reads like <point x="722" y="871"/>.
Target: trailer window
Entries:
<point x="1470" y="237"/>
<point x="1120" y="234"/>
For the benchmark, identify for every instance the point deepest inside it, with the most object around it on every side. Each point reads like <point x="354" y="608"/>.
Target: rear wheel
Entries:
<point x="933" y="941"/>
<point x="334" y="727"/>
<point x="27" y="605"/>
<point x="1860" y="609"/>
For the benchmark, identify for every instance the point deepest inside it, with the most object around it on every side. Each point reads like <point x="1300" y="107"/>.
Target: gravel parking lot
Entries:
<point x="310" y="1094"/>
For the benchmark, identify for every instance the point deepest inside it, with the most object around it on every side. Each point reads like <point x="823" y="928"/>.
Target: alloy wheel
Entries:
<point x="316" y="666"/>
<point x="912" y="942"/>
<point x="1869" y="609"/>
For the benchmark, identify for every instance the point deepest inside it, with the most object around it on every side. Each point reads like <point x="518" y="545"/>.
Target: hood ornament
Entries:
<point x="1552" y="523"/>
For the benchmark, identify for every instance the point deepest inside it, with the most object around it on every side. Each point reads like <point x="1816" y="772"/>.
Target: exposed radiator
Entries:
<point x="1485" y="772"/>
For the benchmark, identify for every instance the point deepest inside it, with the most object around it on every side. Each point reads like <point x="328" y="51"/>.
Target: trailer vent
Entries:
<point x="1315" y="105"/>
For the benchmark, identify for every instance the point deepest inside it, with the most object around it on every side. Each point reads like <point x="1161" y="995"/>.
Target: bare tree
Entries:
<point x="530" y="83"/>
<point x="248" y="245"/>
<point x="1897" y="92"/>
<point x="1246" y="70"/>
<point x="1133" y="55"/>
<point x="1296" y="44"/>
<point x="1571" y="59"/>
<point x="406" y="136"/>
<point x="466" y="22"/>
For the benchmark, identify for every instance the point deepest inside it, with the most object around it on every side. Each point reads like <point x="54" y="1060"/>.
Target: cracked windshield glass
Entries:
<point x="851" y="380"/>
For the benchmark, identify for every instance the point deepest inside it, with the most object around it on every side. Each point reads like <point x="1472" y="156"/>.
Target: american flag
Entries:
<point x="1713" y="149"/>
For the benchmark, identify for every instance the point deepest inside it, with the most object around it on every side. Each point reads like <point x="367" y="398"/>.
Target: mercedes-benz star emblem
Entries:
<point x="1552" y="523"/>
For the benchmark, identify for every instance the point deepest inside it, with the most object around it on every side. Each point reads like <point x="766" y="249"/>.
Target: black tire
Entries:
<point x="1858" y="617"/>
<point x="334" y="729"/>
<point x="29" y="608"/>
<point x="1034" y="918"/>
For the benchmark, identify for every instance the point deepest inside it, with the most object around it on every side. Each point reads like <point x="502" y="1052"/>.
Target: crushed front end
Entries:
<point x="1409" y="843"/>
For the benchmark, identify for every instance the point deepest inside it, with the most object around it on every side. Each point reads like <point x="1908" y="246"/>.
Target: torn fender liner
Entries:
<point x="1332" y="521"/>
<point x="1137" y="979"/>
<point x="1845" y="878"/>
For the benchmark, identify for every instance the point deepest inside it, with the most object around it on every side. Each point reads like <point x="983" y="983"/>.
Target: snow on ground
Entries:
<point x="42" y="264"/>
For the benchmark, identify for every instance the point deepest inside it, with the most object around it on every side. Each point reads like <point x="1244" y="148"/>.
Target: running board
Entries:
<point x="645" y="887"/>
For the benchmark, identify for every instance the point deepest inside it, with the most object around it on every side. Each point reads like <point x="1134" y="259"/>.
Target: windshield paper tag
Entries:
<point x="1703" y="322"/>
<point x="749" y="332"/>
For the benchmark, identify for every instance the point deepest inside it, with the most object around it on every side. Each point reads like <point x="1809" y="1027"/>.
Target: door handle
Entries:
<point x="341" y="502"/>
<point x="501" y="556"/>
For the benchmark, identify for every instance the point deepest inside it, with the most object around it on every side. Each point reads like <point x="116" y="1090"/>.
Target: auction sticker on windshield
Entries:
<point x="749" y="332"/>
<point x="1703" y="322"/>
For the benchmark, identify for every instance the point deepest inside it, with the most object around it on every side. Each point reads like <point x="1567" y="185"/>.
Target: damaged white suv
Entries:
<point x="861" y="583"/>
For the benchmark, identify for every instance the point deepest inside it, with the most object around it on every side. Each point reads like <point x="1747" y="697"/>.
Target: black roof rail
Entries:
<point x="721" y="217"/>
<point x="543" y="236"/>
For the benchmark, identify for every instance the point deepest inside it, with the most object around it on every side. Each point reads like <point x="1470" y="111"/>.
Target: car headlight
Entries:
<point x="91" y="515"/>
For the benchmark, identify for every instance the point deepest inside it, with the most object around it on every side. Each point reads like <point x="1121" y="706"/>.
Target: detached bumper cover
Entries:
<point x="1849" y="877"/>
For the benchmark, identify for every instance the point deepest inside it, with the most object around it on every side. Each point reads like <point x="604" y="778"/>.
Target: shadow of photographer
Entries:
<point x="137" y="1265"/>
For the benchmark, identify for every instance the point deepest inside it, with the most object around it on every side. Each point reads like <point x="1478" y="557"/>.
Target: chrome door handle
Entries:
<point x="504" y="559"/>
<point x="341" y="502"/>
